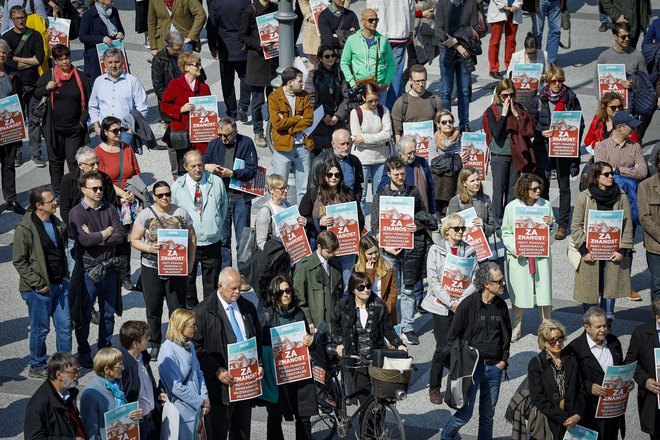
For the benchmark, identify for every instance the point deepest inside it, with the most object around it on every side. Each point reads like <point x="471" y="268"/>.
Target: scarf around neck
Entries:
<point x="60" y="76"/>
<point x="606" y="198"/>
<point x="555" y="98"/>
<point x="105" y="18"/>
<point x="115" y="389"/>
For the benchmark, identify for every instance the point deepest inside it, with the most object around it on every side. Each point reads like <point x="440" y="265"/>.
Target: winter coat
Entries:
<point x="648" y="204"/>
<point x="425" y="43"/>
<point x="414" y="260"/>
<point x="525" y="291"/>
<point x="47" y="417"/>
<point x="187" y="17"/>
<point x="212" y="335"/>
<point x="496" y="14"/>
<point x="617" y="275"/>
<point x="358" y="61"/>
<point x="319" y="292"/>
<point x="260" y="71"/>
<point x="222" y="29"/>
<point x="92" y="31"/>
<point x="310" y="36"/>
<point x="285" y="128"/>
<point x="176" y="95"/>
<point x="482" y="205"/>
<point x="437" y="300"/>
<point x="544" y="394"/>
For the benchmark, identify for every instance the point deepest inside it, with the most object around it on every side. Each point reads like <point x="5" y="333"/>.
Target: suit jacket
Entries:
<point x="130" y="379"/>
<point x="319" y="292"/>
<point x="187" y="17"/>
<point x="642" y="342"/>
<point x="212" y="335"/>
<point x="592" y="373"/>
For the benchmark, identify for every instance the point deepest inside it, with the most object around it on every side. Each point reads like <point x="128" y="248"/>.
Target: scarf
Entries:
<point x="60" y="76"/>
<point x="186" y="343"/>
<point x="115" y="389"/>
<point x="420" y="183"/>
<point x="605" y="198"/>
<point x="446" y="141"/>
<point x="286" y="316"/>
<point x="168" y="4"/>
<point x="555" y="98"/>
<point x="105" y="18"/>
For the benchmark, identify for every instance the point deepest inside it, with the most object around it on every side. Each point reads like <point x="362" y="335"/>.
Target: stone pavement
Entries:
<point x="422" y="419"/>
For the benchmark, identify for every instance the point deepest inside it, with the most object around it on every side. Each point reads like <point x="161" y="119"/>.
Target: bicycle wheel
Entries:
<point x="381" y="421"/>
<point x="324" y="426"/>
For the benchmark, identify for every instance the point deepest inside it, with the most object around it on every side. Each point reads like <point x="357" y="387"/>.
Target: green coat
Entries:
<point x="358" y="61"/>
<point x="628" y="8"/>
<point x="318" y="292"/>
<point x="520" y="284"/>
<point x="28" y="255"/>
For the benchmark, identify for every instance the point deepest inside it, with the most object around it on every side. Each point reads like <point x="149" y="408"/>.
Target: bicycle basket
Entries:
<point x="385" y="383"/>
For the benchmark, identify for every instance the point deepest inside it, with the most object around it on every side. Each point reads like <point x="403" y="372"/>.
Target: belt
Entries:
<point x="488" y="362"/>
<point x="150" y="415"/>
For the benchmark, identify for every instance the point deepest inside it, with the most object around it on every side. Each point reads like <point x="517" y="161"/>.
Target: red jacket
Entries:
<point x="175" y="96"/>
<point x="595" y="133"/>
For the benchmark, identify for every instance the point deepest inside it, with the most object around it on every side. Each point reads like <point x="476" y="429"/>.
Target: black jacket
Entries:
<point x="70" y="194"/>
<point x="345" y="322"/>
<point x="315" y="171"/>
<point x="592" y="373"/>
<point x="224" y="22"/>
<point x="544" y="394"/>
<point x="244" y="149"/>
<point x="212" y="335"/>
<point x="260" y="71"/>
<point x="130" y="379"/>
<point x="329" y="24"/>
<point x="642" y="342"/>
<point x="47" y="417"/>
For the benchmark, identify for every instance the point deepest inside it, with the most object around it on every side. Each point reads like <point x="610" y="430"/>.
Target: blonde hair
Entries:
<point x="547" y="327"/>
<point x="449" y="222"/>
<point x="274" y="181"/>
<point x="382" y="267"/>
<point x="555" y="72"/>
<point x="188" y="58"/>
<point x="106" y="357"/>
<point x="177" y="322"/>
<point x="463" y="194"/>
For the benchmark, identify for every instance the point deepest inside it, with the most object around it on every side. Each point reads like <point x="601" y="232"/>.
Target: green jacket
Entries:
<point x="628" y="8"/>
<point x="319" y="292"/>
<point x="358" y="61"/>
<point x="28" y="255"/>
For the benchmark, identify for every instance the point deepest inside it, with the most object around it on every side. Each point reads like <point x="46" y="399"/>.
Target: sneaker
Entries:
<point x="39" y="162"/>
<point x="634" y="296"/>
<point x="85" y="360"/>
<point x="96" y="318"/>
<point x="245" y="286"/>
<point x="38" y="373"/>
<point x="260" y="140"/>
<point x="127" y="284"/>
<point x="242" y="116"/>
<point x="17" y="161"/>
<point x="603" y="27"/>
<point x="411" y="337"/>
<point x="561" y="233"/>
<point x="435" y="395"/>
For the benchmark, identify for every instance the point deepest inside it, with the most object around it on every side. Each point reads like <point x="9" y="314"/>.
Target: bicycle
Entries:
<point x="379" y="418"/>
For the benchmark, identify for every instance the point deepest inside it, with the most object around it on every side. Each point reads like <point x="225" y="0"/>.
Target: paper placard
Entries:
<point x="580" y="433"/>
<point x="423" y="134"/>
<point x="173" y="252"/>
<point x="604" y="233"/>
<point x="317" y="6"/>
<point x="526" y="80"/>
<point x="565" y="140"/>
<point x="474" y="235"/>
<point x="244" y="368"/>
<point x="203" y="125"/>
<point x="456" y="275"/>
<point x="531" y="232"/>
<point x="255" y="186"/>
<point x="609" y="80"/>
<point x="396" y="213"/>
<point x="58" y="31"/>
<point x="293" y="235"/>
<point x="346" y="227"/>
<point x="290" y="354"/>
<point x="478" y="152"/>
<point x="617" y="384"/>
<point x="102" y="47"/>
<point x="269" y="30"/>
<point x="12" y="123"/>
<point x="118" y="426"/>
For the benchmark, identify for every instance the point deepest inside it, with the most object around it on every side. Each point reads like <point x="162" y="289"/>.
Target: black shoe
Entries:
<point x="421" y="309"/>
<point x="411" y="337"/>
<point x="242" y="116"/>
<point x="38" y="373"/>
<point x="96" y="318"/>
<point x="127" y="284"/>
<point x="17" y="161"/>
<point x="16" y="208"/>
<point x="496" y="75"/>
<point x="39" y="162"/>
<point x="85" y="360"/>
<point x="154" y="353"/>
<point x="603" y="27"/>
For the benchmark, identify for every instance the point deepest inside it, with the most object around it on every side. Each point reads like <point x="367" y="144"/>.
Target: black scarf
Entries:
<point x="606" y="198"/>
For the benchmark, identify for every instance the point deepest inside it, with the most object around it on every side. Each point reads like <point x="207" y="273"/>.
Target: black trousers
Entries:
<point x="210" y="259"/>
<point x="258" y="96"/>
<point x="64" y="149"/>
<point x="504" y="179"/>
<point x="233" y="420"/>
<point x="563" y="167"/>
<point x="440" y="359"/>
<point x="274" y="425"/>
<point x="155" y="289"/>
<point x="227" y="71"/>
<point x="149" y="426"/>
<point x="7" y="156"/>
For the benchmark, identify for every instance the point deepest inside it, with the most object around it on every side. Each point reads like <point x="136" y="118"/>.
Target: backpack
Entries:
<point x="379" y="108"/>
<point x="644" y="101"/>
<point x="404" y="105"/>
<point x="484" y="122"/>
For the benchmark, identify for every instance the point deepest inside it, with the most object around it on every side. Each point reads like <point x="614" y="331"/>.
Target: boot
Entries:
<point x="544" y="312"/>
<point x="517" y="323"/>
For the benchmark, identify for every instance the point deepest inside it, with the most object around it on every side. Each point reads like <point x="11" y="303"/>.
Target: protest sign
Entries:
<point x="422" y="132"/>
<point x="396" y="214"/>
<point x="173" y="252"/>
<point x="618" y="384"/>
<point x="203" y="126"/>
<point x="102" y="47"/>
<point x="12" y="123"/>
<point x="255" y="186"/>
<point x="478" y="153"/>
<point x="58" y="31"/>
<point x="293" y="235"/>
<point x="474" y="235"/>
<point x="244" y="368"/>
<point x="609" y="80"/>
<point x="290" y="354"/>
<point x="269" y="31"/>
<point x="565" y="140"/>
<point x="118" y="426"/>
<point x="604" y="233"/>
<point x="531" y="232"/>
<point x="345" y="226"/>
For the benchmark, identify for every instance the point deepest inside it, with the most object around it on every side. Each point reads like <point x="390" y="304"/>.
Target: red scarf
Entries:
<point x="61" y="76"/>
<point x="168" y="4"/>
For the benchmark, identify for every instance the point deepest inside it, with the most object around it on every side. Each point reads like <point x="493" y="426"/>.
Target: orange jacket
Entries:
<point x="286" y="125"/>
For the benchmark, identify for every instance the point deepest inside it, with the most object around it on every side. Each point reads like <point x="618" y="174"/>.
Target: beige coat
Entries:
<point x="188" y="17"/>
<point x="648" y="204"/>
<point x="617" y="275"/>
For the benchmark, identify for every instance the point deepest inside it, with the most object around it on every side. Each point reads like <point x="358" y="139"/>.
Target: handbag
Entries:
<point x="39" y="111"/>
<point x="179" y="139"/>
<point x="573" y="254"/>
<point x="343" y="34"/>
<point x="248" y="244"/>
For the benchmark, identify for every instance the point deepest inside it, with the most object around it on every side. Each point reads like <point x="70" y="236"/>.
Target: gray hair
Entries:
<point x="226" y="122"/>
<point x="226" y="274"/>
<point x="60" y="361"/>
<point x="405" y="140"/>
<point x="483" y="275"/>
<point x="339" y="131"/>
<point x="174" y="37"/>
<point x="189" y="153"/>
<point x="593" y="312"/>
<point x="84" y="153"/>
<point x="113" y="51"/>
<point x="5" y="46"/>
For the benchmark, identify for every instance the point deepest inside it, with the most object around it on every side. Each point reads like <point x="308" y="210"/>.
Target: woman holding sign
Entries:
<point x="601" y="281"/>
<point x="448" y="279"/>
<point x="157" y="284"/>
<point x="555" y="96"/>
<point x="526" y="237"/>
<point x="448" y="162"/>
<point x="297" y="399"/>
<point x="471" y="195"/>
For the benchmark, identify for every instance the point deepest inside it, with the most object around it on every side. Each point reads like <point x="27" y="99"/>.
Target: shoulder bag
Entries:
<point x="574" y="255"/>
<point x="343" y="34"/>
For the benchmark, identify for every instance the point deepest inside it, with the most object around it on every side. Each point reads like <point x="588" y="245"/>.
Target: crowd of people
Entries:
<point x="369" y="78"/>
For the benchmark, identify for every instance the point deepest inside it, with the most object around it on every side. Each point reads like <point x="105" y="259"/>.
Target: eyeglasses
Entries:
<point x="118" y="367"/>
<point x="75" y="371"/>
<point x="372" y="20"/>
<point x="161" y="195"/>
<point x="117" y="131"/>
<point x="501" y="281"/>
<point x="51" y="202"/>
<point x="91" y="164"/>
<point x="287" y="291"/>
<point x="556" y="81"/>
<point x="196" y="65"/>
<point x="226" y="136"/>
<point x="95" y="188"/>
<point x="535" y="189"/>
<point x="447" y="122"/>
<point x="506" y="95"/>
<point x="363" y="287"/>
<point x="196" y="165"/>
<point x="555" y="341"/>
<point x="331" y="175"/>
<point x="283" y="188"/>
<point x="372" y="101"/>
<point x="327" y="56"/>
<point x="615" y="107"/>
<point x="607" y="174"/>
<point x="624" y="37"/>
<point x="418" y="81"/>
<point x="458" y="228"/>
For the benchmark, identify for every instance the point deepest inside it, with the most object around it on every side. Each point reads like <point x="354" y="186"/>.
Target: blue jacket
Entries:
<point x="92" y="31"/>
<point x="95" y="400"/>
<point x="208" y="224"/>
<point x="244" y="149"/>
<point x="184" y="383"/>
<point x="629" y="186"/>
<point x="410" y="180"/>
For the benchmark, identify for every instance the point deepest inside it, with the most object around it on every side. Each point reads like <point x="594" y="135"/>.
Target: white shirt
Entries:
<point x="363" y="316"/>
<point x="116" y="97"/>
<point x="601" y="353"/>
<point x="237" y="314"/>
<point x="376" y="287"/>
<point x="324" y="262"/>
<point x="191" y="184"/>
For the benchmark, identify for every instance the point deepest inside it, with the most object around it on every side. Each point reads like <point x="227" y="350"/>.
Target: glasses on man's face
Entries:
<point x="51" y="202"/>
<point x="227" y="136"/>
<point x="161" y="195"/>
<point x="73" y="372"/>
<point x="624" y="37"/>
<point x="327" y="56"/>
<point x="607" y="174"/>
<point x="446" y="122"/>
<point x="554" y="341"/>
<point x="372" y="20"/>
<point x="535" y="189"/>
<point x="418" y="81"/>
<point x="500" y="282"/>
<point x="615" y="107"/>
<point x="95" y="188"/>
<point x="91" y="164"/>
<point x="363" y="287"/>
<point x="458" y="228"/>
<point x="331" y="175"/>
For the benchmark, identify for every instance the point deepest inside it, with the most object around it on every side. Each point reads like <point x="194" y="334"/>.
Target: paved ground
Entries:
<point x="422" y="419"/>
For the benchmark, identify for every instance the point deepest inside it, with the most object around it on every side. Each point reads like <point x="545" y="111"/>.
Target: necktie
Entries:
<point x="199" y="203"/>
<point x="234" y="325"/>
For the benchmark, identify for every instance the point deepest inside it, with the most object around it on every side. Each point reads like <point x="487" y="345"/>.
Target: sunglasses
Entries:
<point x="161" y="195"/>
<point x="458" y="228"/>
<point x="500" y="282"/>
<point x="95" y="188"/>
<point x="372" y="20"/>
<point x="117" y="131"/>
<point x="331" y="175"/>
<point x="363" y="287"/>
<point x="615" y="107"/>
<point x="625" y="37"/>
<point x="287" y="291"/>
<point x="555" y="341"/>
<point x="506" y="95"/>
<point x="226" y="136"/>
<point x="447" y="122"/>
<point x="91" y="164"/>
<point x="607" y="174"/>
<point x="556" y="81"/>
<point x="327" y="56"/>
<point x="535" y="189"/>
<point x="372" y="101"/>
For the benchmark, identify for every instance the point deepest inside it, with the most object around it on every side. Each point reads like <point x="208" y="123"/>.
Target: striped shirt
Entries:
<point x="627" y="157"/>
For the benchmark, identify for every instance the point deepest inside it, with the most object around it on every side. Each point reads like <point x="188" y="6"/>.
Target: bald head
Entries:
<point x="369" y="13"/>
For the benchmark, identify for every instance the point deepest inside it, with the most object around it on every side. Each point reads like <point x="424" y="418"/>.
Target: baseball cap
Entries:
<point x="625" y="118"/>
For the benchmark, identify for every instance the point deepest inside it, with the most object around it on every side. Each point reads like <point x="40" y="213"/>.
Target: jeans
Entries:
<point x="106" y="291"/>
<point x="549" y="9"/>
<point x="406" y="295"/>
<point x="396" y="87"/>
<point x="69" y="256"/>
<point x="487" y="381"/>
<point x="41" y="307"/>
<point x="128" y="138"/>
<point x="238" y="212"/>
<point x="653" y="261"/>
<point x="375" y="172"/>
<point x="347" y="262"/>
<point x="258" y="97"/>
<point x="448" y="74"/>
<point x="607" y="304"/>
<point x="188" y="47"/>
<point x="299" y="158"/>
